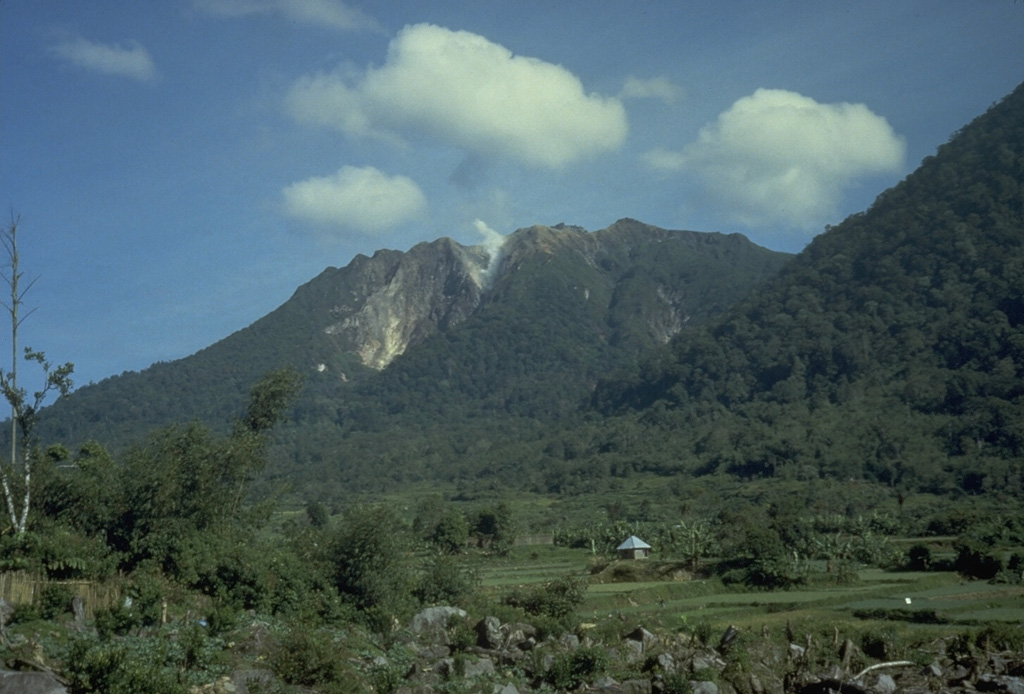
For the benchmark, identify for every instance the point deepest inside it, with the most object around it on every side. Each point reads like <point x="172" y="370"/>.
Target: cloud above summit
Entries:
<point x="363" y="199"/>
<point x="130" y="60"/>
<point x="778" y="157"/>
<point x="462" y="90"/>
<point x="331" y="14"/>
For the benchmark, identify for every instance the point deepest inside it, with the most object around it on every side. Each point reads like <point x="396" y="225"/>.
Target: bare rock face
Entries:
<point x="405" y="297"/>
<point x="642" y="282"/>
<point x="30" y="683"/>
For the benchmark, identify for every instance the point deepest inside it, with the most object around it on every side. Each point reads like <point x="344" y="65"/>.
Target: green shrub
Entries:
<point x="116" y="621"/>
<point x="556" y="600"/>
<point x="570" y="670"/>
<point x="677" y="683"/>
<point x="461" y="635"/>
<point x="977" y="559"/>
<point x="55" y="601"/>
<point x="307" y="657"/>
<point x="104" y="668"/>
<point x="919" y="557"/>
<point x="444" y="581"/>
<point x="883" y="644"/>
<point x="1000" y="636"/>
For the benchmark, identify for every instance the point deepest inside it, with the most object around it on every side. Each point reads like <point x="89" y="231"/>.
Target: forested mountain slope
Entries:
<point x="892" y="348"/>
<point x="426" y="339"/>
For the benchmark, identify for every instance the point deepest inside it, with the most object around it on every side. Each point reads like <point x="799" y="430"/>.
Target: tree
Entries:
<point x="24" y="410"/>
<point x="370" y="568"/>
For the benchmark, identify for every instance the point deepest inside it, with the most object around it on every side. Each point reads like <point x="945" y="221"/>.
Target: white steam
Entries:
<point x="492" y="245"/>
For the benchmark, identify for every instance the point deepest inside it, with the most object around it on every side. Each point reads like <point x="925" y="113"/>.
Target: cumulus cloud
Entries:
<point x="130" y="60"/>
<point x="659" y="88"/>
<point x="779" y="157"/>
<point x="327" y="13"/>
<point x="364" y="199"/>
<point x="463" y="90"/>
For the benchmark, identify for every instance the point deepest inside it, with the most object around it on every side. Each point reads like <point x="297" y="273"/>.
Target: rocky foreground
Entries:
<point x="441" y="650"/>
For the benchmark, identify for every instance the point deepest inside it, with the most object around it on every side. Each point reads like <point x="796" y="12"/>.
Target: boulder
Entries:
<point x="885" y="684"/>
<point x="433" y="621"/>
<point x="1000" y="683"/>
<point x="703" y="687"/>
<point x="488" y="633"/>
<point x="644" y="637"/>
<point x="30" y="683"/>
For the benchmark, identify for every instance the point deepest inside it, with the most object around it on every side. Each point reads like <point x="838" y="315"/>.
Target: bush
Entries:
<point x="97" y="668"/>
<point x="307" y="657"/>
<point x="557" y="600"/>
<point x="976" y="560"/>
<point x="999" y="636"/>
<point x="444" y="582"/>
<point x="55" y="601"/>
<point x="115" y="621"/>
<point x="919" y="558"/>
<point x="570" y="670"/>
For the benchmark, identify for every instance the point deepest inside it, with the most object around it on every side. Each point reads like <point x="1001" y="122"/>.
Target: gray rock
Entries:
<point x="633" y="650"/>
<point x="30" y="683"/>
<point x="433" y="621"/>
<point x="703" y="687"/>
<point x="518" y="634"/>
<point x="666" y="662"/>
<point x="707" y="661"/>
<point x="479" y="668"/>
<point x="78" y="610"/>
<point x="507" y="689"/>
<point x="932" y="670"/>
<point x="433" y="651"/>
<point x="646" y="638"/>
<point x="488" y="633"/>
<point x="570" y="642"/>
<point x="1000" y="683"/>
<point x="885" y="684"/>
<point x="607" y="685"/>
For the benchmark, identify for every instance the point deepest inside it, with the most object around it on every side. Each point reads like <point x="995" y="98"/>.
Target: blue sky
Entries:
<point x="179" y="167"/>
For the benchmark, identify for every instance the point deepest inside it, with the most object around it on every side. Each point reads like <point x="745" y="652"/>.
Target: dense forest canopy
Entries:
<point x="891" y="348"/>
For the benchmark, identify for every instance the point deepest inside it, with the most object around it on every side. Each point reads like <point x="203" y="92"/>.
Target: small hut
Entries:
<point x="633" y="548"/>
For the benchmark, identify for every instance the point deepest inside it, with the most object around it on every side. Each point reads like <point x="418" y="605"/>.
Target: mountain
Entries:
<point x="890" y="349"/>
<point x="521" y="327"/>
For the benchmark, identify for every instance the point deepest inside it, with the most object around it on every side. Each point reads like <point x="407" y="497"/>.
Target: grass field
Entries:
<point x="939" y="602"/>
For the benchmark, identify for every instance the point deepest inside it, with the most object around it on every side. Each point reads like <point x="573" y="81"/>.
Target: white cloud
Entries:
<point x="327" y="13"/>
<point x="130" y="60"/>
<point x="364" y="199"/>
<point x="779" y="157"/>
<point x="653" y="88"/>
<point x="465" y="91"/>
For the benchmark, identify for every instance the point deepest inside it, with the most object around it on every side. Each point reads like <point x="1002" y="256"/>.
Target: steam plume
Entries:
<point x="492" y="244"/>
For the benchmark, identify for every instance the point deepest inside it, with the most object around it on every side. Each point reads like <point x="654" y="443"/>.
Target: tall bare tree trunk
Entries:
<point x="23" y="411"/>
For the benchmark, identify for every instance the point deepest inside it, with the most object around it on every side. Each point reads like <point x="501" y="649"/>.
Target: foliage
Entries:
<point x="498" y="525"/>
<point x="308" y="656"/>
<point x="369" y="565"/>
<point x="444" y="581"/>
<point x="557" y="600"/>
<point x="572" y="669"/>
<point x="109" y="668"/>
<point x="451" y="532"/>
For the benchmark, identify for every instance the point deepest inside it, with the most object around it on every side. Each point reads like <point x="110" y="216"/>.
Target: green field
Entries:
<point x="938" y="601"/>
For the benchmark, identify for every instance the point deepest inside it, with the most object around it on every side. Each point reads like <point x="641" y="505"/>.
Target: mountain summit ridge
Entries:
<point x="602" y="296"/>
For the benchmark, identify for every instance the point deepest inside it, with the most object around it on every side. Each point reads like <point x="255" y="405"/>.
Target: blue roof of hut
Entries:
<point x="633" y="542"/>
